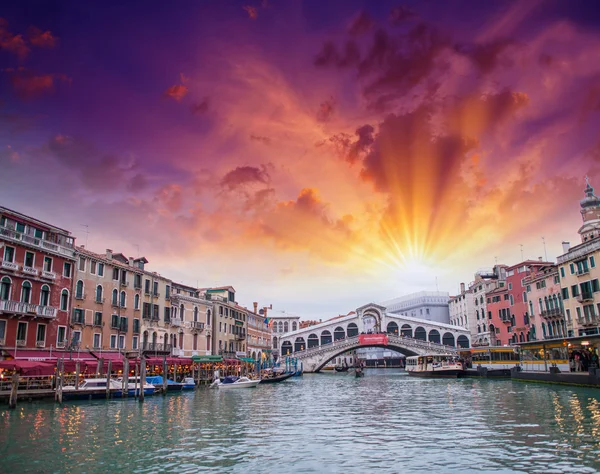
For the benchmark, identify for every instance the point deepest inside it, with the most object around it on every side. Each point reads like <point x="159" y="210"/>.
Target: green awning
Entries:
<point x="247" y="359"/>
<point x="205" y="359"/>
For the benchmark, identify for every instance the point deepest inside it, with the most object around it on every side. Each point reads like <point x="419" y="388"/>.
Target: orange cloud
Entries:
<point x="29" y="85"/>
<point x="252" y="11"/>
<point x="41" y="39"/>
<point x="176" y="92"/>
<point x="12" y="43"/>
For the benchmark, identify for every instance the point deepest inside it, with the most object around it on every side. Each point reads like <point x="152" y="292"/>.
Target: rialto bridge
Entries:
<point x="316" y="345"/>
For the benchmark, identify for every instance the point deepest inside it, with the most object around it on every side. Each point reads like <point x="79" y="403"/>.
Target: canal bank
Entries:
<point x="315" y="424"/>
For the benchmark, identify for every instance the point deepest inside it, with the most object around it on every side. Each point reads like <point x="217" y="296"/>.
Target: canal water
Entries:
<point x="320" y="423"/>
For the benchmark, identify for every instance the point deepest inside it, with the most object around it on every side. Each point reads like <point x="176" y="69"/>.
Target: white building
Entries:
<point x="282" y="323"/>
<point x="427" y="305"/>
<point x="462" y="309"/>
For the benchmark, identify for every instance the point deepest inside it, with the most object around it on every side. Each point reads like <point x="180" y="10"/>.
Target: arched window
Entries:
<point x="280" y="326"/>
<point x="274" y="343"/>
<point x="195" y="342"/>
<point x="182" y="312"/>
<point x="5" y="288"/>
<point x="195" y="313"/>
<point x="99" y="292"/>
<point x="79" y="289"/>
<point x="123" y="299"/>
<point x="136" y="301"/>
<point x="294" y="326"/>
<point x="115" y="297"/>
<point x="64" y="300"/>
<point x="45" y="296"/>
<point x="286" y="327"/>
<point x="26" y="292"/>
<point x="208" y="318"/>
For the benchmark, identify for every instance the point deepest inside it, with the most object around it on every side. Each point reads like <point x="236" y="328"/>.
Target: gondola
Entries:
<point x="341" y="369"/>
<point x="277" y="378"/>
<point x="358" y="372"/>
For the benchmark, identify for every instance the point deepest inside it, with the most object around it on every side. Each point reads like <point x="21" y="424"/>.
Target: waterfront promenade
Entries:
<point x="335" y="423"/>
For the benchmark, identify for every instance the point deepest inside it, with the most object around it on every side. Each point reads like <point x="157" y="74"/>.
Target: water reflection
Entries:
<point x="320" y="423"/>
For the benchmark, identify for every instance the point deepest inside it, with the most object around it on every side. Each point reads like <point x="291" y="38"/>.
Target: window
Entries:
<point x="155" y="292"/>
<point x="595" y="286"/>
<point x="20" y="227"/>
<point x="510" y="286"/>
<point x="136" y="326"/>
<point x="113" y="341"/>
<point x="79" y="290"/>
<point x="26" y="292"/>
<point x="5" y="288"/>
<point x="115" y="274"/>
<point x="21" y="332"/>
<point x="155" y="314"/>
<point x="134" y="343"/>
<point x="115" y="297"/>
<point x="565" y="293"/>
<point x="64" y="300"/>
<point x="97" y="318"/>
<point x="124" y="277"/>
<point x="167" y="291"/>
<point x="76" y="338"/>
<point x="2" y="330"/>
<point x="124" y="324"/>
<point x="97" y="341"/>
<point x="100" y="269"/>
<point x="147" y="287"/>
<point x="40" y="338"/>
<point x="47" y="264"/>
<point x="78" y="316"/>
<point x="67" y="270"/>
<point x="123" y="299"/>
<point x="137" y="281"/>
<point x="136" y="302"/>
<point x="524" y="297"/>
<point x="61" y="336"/>
<point x="99" y="292"/>
<point x="167" y="314"/>
<point x="121" y="342"/>
<point x="9" y="254"/>
<point x="556" y="279"/>
<point x="592" y="261"/>
<point x="29" y="259"/>
<point x="45" y="295"/>
<point x="93" y="267"/>
<point x="81" y="264"/>
<point x="114" y="322"/>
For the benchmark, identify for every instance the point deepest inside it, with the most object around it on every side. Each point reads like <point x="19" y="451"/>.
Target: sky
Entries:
<point x="316" y="156"/>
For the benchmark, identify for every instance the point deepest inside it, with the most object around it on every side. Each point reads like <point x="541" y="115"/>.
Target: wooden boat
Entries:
<point x="299" y="373"/>
<point x="342" y="368"/>
<point x="434" y="365"/>
<point x="232" y="382"/>
<point x="358" y="372"/>
<point x="277" y="378"/>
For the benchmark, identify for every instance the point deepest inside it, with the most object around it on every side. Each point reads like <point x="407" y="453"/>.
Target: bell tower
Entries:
<point x="590" y="213"/>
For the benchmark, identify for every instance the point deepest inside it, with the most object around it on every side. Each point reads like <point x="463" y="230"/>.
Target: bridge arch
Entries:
<point x="313" y="340"/>
<point x="462" y="341"/>
<point x="448" y="339"/>
<point x="420" y="333"/>
<point x="325" y="337"/>
<point x="286" y="348"/>
<point x="352" y="330"/>
<point x="299" y="344"/>
<point x="406" y="330"/>
<point x="392" y="328"/>
<point x="339" y="334"/>
<point x="434" y="336"/>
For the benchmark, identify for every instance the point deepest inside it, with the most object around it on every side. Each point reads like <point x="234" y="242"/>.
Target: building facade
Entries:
<point x="427" y="305"/>
<point x="36" y="282"/>
<point x="259" y="334"/>
<point x="545" y="304"/>
<point x="190" y="321"/>
<point x="159" y="337"/>
<point x="106" y="301"/>
<point x="229" y="328"/>
<point x="482" y="332"/>
<point x="579" y="274"/>
<point x="282" y="323"/>
<point x="462" y="308"/>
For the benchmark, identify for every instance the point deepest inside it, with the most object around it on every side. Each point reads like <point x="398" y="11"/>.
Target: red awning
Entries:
<point x="28" y="367"/>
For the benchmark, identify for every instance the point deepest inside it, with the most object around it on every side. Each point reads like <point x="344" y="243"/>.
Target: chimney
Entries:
<point x="462" y="287"/>
<point x="131" y="261"/>
<point x="82" y="246"/>
<point x="108" y="253"/>
<point x="271" y="306"/>
<point x="566" y="246"/>
<point x="540" y="259"/>
<point x="265" y="308"/>
<point x="255" y="307"/>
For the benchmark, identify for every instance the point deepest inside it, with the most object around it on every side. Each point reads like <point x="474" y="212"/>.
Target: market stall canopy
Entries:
<point x="206" y="359"/>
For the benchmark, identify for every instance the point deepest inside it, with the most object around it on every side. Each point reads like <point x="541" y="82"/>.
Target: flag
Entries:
<point x="267" y="321"/>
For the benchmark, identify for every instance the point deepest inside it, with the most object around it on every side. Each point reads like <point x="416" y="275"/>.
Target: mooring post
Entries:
<point x="12" y="403"/>
<point x="165" y="375"/>
<point x="108" y="371"/>
<point x="125" y="377"/>
<point x="142" y="378"/>
<point x="135" y="383"/>
<point x="77" y="375"/>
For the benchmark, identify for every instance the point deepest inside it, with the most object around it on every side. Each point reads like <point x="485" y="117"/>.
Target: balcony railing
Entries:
<point x="583" y="272"/>
<point x="80" y="296"/>
<point x="588" y="321"/>
<point x="15" y="236"/>
<point x="40" y="344"/>
<point x="21" y="342"/>
<point x="156" y="347"/>
<point x="78" y="319"/>
<point x="61" y="344"/>
<point x="227" y="354"/>
<point x="124" y="283"/>
<point x="49" y="275"/>
<point x="30" y="271"/>
<point x="99" y="300"/>
<point x="176" y="322"/>
<point x="585" y="297"/>
<point x="10" y="265"/>
<point x="197" y="325"/>
<point x="28" y="309"/>
<point x="552" y="313"/>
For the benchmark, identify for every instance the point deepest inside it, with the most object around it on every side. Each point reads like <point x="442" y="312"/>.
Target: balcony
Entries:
<point x="27" y="309"/>
<point x="30" y="271"/>
<point x="124" y="283"/>
<point x="552" y="313"/>
<point x="99" y="300"/>
<point x="197" y="325"/>
<point x="78" y="319"/>
<point x="591" y="320"/>
<point x="156" y="348"/>
<point x="583" y="297"/>
<point x="80" y="296"/>
<point x="176" y="322"/>
<point x="40" y="344"/>
<point x="240" y="337"/>
<point x="21" y="342"/>
<point x="12" y="234"/>
<point x="10" y="265"/>
<point x="49" y="275"/>
<point x="582" y="272"/>
<point x="61" y="344"/>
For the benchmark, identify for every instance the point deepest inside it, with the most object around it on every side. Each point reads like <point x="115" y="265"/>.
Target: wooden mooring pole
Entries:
<point x="142" y="378"/>
<point x="135" y="383"/>
<point x="12" y="403"/>
<point x="165" y="375"/>
<point x="108" y="371"/>
<point x="125" y="377"/>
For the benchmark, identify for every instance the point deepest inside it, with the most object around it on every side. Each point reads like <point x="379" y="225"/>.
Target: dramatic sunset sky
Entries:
<point x="316" y="155"/>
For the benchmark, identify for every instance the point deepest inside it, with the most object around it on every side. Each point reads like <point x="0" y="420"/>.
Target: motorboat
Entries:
<point x="232" y="382"/>
<point x="188" y="383"/>
<point x="92" y="388"/>
<point x="134" y="386"/>
<point x="434" y="365"/>
<point x="158" y="381"/>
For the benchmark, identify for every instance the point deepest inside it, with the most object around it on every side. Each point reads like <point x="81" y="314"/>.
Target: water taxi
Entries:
<point x="96" y="388"/>
<point x="434" y="365"/>
<point x="493" y="361"/>
<point x="233" y="382"/>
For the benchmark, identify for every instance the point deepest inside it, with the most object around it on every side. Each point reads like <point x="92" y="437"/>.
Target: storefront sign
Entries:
<point x="369" y="339"/>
